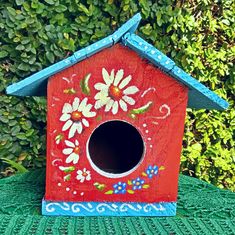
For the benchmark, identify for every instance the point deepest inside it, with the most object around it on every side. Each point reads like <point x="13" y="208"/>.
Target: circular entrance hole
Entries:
<point x="115" y="148"/>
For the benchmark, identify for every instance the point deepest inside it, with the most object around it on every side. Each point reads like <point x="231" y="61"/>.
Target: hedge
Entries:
<point x="197" y="34"/>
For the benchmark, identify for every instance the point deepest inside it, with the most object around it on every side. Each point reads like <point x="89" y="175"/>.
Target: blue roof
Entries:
<point x="199" y="95"/>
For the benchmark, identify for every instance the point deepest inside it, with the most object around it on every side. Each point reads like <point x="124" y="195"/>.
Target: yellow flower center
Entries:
<point x="119" y="187"/>
<point x="76" y="150"/>
<point x="152" y="171"/>
<point x="76" y="116"/>
<point x="84" y="174"/>
<point x="115" y="92"/>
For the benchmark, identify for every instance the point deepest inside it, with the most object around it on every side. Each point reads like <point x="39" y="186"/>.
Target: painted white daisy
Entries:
<point x="75" y="116"/>
<point x="83" y="175"/>
<point x="72" y="151"/>
<point x="114" y="92"/>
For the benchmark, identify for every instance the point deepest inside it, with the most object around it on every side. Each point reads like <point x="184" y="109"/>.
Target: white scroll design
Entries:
<point x="51" y="207"/>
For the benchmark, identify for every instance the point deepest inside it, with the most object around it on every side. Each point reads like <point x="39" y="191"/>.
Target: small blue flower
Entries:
<point x="119" y="188"/>
<point x="137" y="183"/>
<point x="151" y="171"/>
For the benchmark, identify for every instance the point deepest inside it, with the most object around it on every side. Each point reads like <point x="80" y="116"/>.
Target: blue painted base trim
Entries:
<point x="108" y="208"/>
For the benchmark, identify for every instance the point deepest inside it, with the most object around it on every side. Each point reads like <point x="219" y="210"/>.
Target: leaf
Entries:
<point x="17" y="166"/>
<point x="161" y="168"/>
<point x="3" y="54"/>
<point x="129" y="182"/>
<point x="19" y="2"/>
<point x="142" y="109"/>
<point x="130" y="191"/>
<point x="69" y="91"/>
<point x="84" y="84"/>
<point x="50" y="56"/>
<point x="146" y="186"/>
<point x="99" y="118"/>
<point x="58" y="138"/>
<point x="67" y="177"/>
<point x="50" y="2"/>
<point x="109" y="192"/>
<point x="144" y="174"/>
<point x="99" y="186"/>
<point x="67" y="169"/>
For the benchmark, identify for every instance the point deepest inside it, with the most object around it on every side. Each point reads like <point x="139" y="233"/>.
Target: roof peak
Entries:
<point x="199" y="95"/>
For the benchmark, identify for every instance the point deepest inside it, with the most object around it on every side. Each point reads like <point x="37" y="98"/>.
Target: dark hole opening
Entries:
<point x="116" y="147"/>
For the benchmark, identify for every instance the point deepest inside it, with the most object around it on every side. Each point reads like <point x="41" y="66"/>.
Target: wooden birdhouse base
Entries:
<point x="108" y="208"/>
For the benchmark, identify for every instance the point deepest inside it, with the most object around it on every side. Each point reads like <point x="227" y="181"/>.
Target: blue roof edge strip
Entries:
<point x="199" y="95"/>
<point x="30" y="85"/>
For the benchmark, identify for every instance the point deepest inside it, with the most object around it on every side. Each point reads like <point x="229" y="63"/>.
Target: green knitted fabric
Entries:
<point x="202" y="209"/>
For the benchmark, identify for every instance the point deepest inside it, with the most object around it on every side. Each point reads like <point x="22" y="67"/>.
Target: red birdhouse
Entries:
<point x="115" y="122"/>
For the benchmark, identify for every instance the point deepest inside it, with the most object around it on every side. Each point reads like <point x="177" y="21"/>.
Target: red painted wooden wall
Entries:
<point x="153" y="102"/>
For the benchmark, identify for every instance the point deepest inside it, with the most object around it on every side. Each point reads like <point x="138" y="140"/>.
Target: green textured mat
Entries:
<point x="202" y="209"/>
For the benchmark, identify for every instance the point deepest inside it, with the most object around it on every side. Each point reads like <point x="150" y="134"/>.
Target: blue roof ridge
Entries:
<point x="148" y="51"/>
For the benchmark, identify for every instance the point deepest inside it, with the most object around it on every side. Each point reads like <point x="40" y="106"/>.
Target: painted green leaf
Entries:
<point x="99" y="118"/>
<point x="144" y="174"/>
<point x="58" y="138"/>
<point x="67" y="169"/>
<point x="161" y="168"/>
<point x="99" y="186"/>
<point x="109" y="192"/>
<point x="130" y="191"/>
<point x="69" y="91"/>
<point x="67" y="177"/>
<point x="84" y="84"/>
<point x="146" y="186"/>
<point x="142" y="109"/>
<point x="129" y="182"/>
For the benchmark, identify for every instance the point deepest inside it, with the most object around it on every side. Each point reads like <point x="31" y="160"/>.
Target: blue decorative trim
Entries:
<point x="200" y="97"/>
<point x="108" y="208"/>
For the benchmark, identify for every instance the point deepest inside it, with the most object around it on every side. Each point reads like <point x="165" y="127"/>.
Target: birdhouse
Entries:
<point x="115" y="123"/>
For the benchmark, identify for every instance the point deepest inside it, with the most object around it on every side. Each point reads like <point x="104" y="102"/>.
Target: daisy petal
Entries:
<point x="82" y="104"/>
<point x="101" y="86"/>
<point x="109" y="105"/>
<point x="125" y="81"/>
<point x="130" y="90"/>
<point x="69" y="144"/>
<point x="79" y="127"/>
<point x="76" y="143"/>
<point x="101" y="96"/>
<point x="88" y="113"/>
<point x="123" y="105"/>
<point x="129" y="100"/>
<point x="67" y="125"/>
<point x="99" y="104"/>
<point x="73" y="157"/>
<point x="67" y="151"/>
<point x="76" y="103"/>
<point x="67" y="108"/>
<point x="112" y="76"/>
<point x="88" y="177"/>
<point x="72" y="130"/>
<point x="65" y="117"/>
<point x="85" y="122"/>
<point x="115" y="108"/>
<point x="87" y="108"/>
<point x="106" y="76"/>
<point x="118" y="77"/>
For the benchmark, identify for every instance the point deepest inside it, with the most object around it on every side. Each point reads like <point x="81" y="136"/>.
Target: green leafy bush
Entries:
<point x="198" y="35"/>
